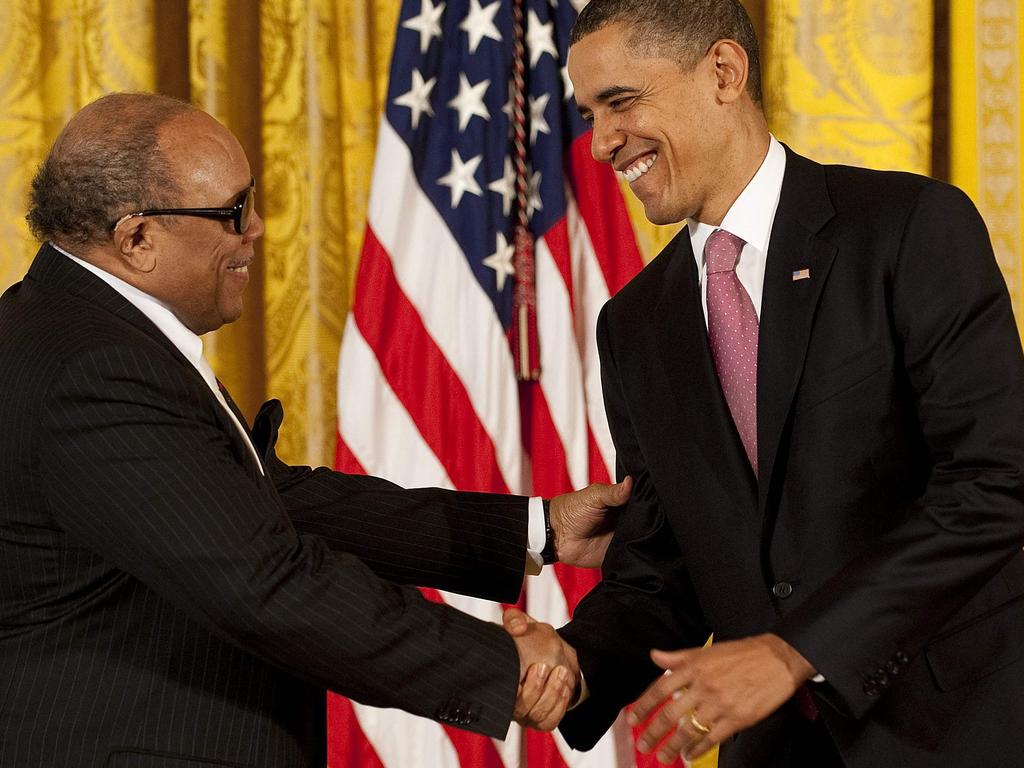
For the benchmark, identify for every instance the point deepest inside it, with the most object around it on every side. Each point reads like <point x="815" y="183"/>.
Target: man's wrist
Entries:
<point x="799" y="667"/>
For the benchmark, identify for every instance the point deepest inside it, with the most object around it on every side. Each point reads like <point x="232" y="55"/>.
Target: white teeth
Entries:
<point x="244" y="269"/>
<point x="635" y="172"/>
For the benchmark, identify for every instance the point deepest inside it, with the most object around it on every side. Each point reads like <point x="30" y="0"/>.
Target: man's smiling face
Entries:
<point x="653" y="121"/>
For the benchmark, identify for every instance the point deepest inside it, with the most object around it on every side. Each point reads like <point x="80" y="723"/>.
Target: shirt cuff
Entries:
<point x="535" y="536"/>
<point x="584" y="693"/>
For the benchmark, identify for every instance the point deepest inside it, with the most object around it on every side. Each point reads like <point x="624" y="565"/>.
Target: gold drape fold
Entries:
<point x="324" y="68"/>
<point x="305" y="287"/>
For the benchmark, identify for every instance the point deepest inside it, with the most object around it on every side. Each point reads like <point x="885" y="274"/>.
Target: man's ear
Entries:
<point x="133" y="239"/>
<point x="731" y="69"/>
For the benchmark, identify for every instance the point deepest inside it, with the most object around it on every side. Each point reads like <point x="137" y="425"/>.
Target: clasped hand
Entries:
<point x="548" y="672"/>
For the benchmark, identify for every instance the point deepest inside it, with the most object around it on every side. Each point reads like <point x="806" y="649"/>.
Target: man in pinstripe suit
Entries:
<point x="171" y="593"/>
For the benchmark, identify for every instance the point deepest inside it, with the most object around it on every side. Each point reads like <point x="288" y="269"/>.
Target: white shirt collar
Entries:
<point x="753" y="212"/>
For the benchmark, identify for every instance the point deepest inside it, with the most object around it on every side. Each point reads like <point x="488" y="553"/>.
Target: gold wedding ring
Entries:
<point x="698" y="725"/>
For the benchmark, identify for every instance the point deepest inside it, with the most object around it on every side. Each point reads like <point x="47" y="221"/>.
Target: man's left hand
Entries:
<point x="711" y="693"/>
<point x="583" y="522"/>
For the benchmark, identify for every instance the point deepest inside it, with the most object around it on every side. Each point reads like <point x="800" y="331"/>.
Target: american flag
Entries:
<point x="427" y="389"/>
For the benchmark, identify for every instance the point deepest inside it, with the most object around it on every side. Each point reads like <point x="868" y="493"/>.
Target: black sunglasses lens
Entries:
<point x="245" y="212"/>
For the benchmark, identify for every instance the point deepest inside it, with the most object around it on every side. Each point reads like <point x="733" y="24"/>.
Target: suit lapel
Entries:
<point x="55" y="269"/>
<point x="689" y="375"/>
<point x="788" y="305"/>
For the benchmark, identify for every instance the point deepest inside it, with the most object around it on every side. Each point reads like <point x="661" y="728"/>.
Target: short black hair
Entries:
<point x="683" y="30"/>
<point x="106" y="162"/>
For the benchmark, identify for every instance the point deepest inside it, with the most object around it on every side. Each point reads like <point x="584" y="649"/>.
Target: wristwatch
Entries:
<point x="548" y="555"/>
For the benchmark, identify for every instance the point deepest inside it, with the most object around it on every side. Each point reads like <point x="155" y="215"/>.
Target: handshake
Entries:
<point x="549" y="675"/>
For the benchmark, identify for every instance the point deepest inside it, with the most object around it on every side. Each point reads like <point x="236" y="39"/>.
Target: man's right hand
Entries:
<point x="548" y="671"/>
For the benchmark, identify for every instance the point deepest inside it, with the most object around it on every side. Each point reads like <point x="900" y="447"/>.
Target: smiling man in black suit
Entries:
<point x="819" y="390"/>
<point x="172" y="594"/>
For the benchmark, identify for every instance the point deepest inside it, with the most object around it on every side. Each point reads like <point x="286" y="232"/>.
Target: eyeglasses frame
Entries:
<point x="234" y="212"/>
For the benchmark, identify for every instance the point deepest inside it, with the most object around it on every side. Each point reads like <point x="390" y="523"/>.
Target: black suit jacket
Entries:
<point x="883" y="540"/>
<point x="162" y="603"/>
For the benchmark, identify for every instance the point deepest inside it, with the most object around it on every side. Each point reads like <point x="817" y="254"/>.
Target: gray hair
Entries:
<point x="683" y="30"/>
<point x="105" y="163"/>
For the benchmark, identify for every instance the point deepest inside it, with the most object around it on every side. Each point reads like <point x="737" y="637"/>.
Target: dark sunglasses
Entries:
<point x="240" y="213"/>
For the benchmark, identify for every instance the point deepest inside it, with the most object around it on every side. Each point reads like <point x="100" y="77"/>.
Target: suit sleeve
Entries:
<point x="645" y="599"/>
<point x="471" y="543"/>
<point x="962" y="359"/>
<point x="136" y="468"/>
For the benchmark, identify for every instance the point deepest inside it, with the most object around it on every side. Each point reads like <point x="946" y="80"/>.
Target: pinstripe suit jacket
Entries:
<point x="163" y="604"/>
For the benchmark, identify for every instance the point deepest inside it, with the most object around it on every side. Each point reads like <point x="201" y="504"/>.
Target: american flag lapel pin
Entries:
<point x="802" y="274"/>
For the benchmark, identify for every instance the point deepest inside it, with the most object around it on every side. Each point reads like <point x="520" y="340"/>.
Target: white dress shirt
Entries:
<point x="750" y="218"/>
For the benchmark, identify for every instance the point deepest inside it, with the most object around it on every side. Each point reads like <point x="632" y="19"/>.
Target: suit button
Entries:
<point x="882" y="679"/>
<point x="893" y="668"/>
<point x="902" y="659"/>
<point x="782" y="590"/>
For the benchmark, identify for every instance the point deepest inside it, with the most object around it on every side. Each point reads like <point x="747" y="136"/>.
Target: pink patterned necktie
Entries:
<point x="732" y="333"/>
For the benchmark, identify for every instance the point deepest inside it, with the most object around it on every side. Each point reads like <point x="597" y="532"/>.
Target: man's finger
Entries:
<point x="516" y="622"/>
<point x="530" y="691"/>
<point x="675" y="679"/>
<point x="688" y="740"/>
<point x="669" y="660"/>
<point x="701" y="747"/>
<point x="674" y="709"/>
<point x="603" y="495"/>
<point x="621" y="491"/>
<point x="550" y="707"/>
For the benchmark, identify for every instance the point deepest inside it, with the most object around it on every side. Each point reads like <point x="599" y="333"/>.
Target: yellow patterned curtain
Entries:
<point x="325" y="66"/>
<point x="850" y="81"/>
<point x="987" y="124"/>
<point x="55" y="56"/>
